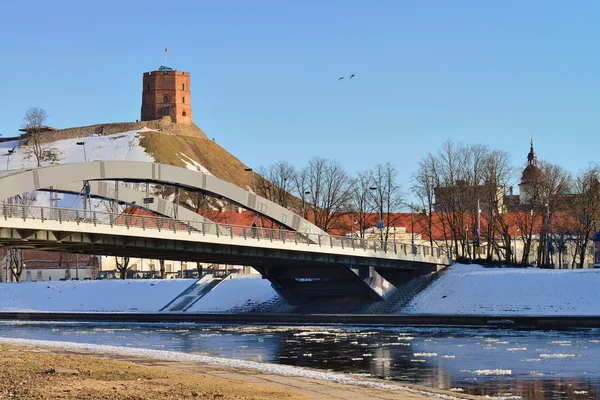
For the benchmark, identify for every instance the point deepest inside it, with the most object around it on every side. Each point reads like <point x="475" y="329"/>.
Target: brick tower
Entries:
<point x="167" y="92"/>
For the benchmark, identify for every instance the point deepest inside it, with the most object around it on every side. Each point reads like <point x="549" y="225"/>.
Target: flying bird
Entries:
<point x="352" y="76"/>
<point x="339" y="79"/>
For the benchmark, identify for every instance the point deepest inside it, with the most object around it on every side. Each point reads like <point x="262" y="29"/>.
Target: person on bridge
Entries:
<point x="254" y="230"/>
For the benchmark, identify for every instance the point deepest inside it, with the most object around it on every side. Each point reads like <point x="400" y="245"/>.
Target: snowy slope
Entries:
<point x="461" y="289"/>
<point x="112" y="295"/>
<point x="120" y="146"/>
<point x="240" y="294"/>
<point x="472" y="289"/>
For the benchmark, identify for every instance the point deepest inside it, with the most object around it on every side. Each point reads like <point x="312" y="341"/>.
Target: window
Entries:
<point x="165" y="99"/>
<point x="183" y="100"/>
<point x="183" y="86"/>
<point x="183" y="114"/>
<point x="148" y="86"/>
<point x="166" y="110"/>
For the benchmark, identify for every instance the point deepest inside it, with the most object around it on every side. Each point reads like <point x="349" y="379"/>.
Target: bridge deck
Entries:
<point x="107" y="233"/>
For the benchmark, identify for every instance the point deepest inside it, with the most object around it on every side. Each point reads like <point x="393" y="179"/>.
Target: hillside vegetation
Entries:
<point x="168" y="149"/>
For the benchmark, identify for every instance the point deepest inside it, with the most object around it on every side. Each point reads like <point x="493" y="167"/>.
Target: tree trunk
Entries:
<point x="162" y="268"/>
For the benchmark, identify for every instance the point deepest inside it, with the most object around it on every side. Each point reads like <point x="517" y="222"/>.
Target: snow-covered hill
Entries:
<point x="172" y="145"/>
<point x="119" y="146"/>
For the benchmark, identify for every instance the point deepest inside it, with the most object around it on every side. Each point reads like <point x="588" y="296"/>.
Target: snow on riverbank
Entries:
<point x="460" y="289"/>
<point x="146" y="295"/>
<point x="240" y="294"/>
<point x="473" y="289"/>
<point x="284" y="370"/>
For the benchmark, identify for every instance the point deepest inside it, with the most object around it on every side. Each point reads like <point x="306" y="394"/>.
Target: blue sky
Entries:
<point x="265" y="74"/>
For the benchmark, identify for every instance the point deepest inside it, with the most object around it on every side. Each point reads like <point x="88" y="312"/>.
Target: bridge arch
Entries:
<point x="22" y="181"/>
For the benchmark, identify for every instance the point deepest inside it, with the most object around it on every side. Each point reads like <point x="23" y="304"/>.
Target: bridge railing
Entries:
<point x="203" y="227"/>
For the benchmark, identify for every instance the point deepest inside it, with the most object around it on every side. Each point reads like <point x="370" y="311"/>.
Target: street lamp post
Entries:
<point x="515" y="240"/>
<point x="84" y="153"/>
<point x="253" y="184"/>
<point x="478" y="249"/>
<point x="412" y="229"/>
<point x="380" y="225"/>
<point x="306" y="193"/>
<point x="547" y="244"/>
<point x="467" y="241"/>
<point x="254" y="189"/>
<point x="10" y="152"/>
<point x="86" y="185"/>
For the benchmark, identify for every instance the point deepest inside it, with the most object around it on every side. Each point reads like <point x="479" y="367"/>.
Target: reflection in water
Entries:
<point x="526" y="364"/>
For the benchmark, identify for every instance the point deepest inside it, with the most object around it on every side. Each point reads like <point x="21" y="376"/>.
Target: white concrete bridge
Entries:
<point x="302" y="262"/>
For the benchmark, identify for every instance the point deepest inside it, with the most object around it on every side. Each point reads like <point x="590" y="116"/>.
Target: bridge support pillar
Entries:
<point x="301" y="284"/>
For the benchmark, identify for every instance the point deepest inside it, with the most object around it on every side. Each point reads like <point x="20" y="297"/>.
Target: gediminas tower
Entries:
<point x="166" y="92"/>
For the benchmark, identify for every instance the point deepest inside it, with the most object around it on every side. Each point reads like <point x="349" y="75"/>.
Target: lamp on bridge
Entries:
<point x="306" y="193"/>
<point x="253" y="184"/>
<point x="412" y="229"/>
<point x="379" y="205"/>
<point x="10" y="152"/>
<point x="254" y="189"/>
<point x="84" y="154"/>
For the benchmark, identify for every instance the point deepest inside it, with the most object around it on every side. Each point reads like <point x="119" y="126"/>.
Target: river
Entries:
<point x="498" y="363"/>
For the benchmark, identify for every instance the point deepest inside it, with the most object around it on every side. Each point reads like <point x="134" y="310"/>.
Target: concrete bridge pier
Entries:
<point x="301" y="284"/>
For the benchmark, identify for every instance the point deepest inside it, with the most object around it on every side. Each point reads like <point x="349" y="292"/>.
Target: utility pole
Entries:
<point x="412" y="229"/>
<point x="306" y="193"/>
<point x="467" y="252"/>
<point x="254" y="189"/>
<point x="478" y="249"/>
<point x="10" y="152"/>
<point x="379" y="205"/>
<point x="548" y="238"/>
<point x="515" y="240"/>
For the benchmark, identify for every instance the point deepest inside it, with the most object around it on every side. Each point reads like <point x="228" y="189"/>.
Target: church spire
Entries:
<point x="531" y="157"/>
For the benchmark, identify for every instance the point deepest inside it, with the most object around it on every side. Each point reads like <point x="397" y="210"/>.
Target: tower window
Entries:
<point x="183" y="100"/>
<point x="165" y="99"/>
<point x="183" y="114"/>
<point x="183" y="86"/>
<point x="148" y="86"/>
<point x="166" y="110"/>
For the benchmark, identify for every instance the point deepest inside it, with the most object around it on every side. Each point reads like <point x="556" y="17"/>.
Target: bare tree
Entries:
<point x="497" y="175"/>
<point x="549" y="189"/>
<point x="302" y="188"/>
<point x="275" y="181"/>
<point x="360" y="203"/>
<point x="387" y="196"/>
<point x="161" y="262"/>
<point x="34" y="120"/>
<point x="15" y="263"/>
<point x="586" y="209"/>
<point x="557" y="186"/>
<point x="424" y="184"/>
<point x="122" y="266"/>
<point x="461" y="189"/>
<point x="328" y="184"/>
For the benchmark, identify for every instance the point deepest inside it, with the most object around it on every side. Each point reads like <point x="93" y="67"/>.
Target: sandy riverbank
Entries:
<point x="27" y="374"/>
